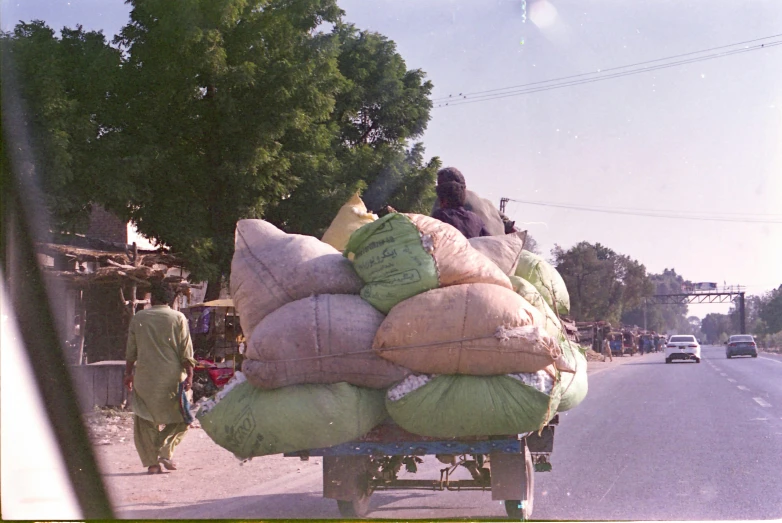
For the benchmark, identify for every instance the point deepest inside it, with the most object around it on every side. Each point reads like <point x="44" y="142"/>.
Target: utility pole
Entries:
<point x="742" y="314"/>
<point x="503" y="203"/>
<point x="646" y="302"/>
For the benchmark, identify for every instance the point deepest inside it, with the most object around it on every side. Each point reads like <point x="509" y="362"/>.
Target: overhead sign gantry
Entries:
<point x="703" y="293"/>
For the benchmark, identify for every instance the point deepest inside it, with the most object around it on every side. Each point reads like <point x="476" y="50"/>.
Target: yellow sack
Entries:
<point x="350" y="217"/>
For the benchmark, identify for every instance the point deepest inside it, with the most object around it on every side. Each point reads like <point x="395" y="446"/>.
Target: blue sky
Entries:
<point x="699" y="137"/>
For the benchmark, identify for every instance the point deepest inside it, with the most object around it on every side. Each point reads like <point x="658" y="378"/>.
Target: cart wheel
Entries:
<point x="359" y="506"/>
<point x="521" y="509"/>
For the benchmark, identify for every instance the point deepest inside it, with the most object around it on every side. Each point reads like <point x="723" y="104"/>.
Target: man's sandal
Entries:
<point x="170" y="465"/>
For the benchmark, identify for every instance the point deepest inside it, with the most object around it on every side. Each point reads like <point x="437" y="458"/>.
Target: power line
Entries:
<point x="451" y="96"/>
<point x="674" y="211"/>
<point x="647" y="213"/>
<point x="484" y="98"/>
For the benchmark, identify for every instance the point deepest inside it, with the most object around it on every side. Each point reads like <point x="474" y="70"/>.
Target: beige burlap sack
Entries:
<point x="320" y="339"/>
<point x="476" y="329"/>
<point x="271" y="268"/>
<point x="457" y="261"/>
<point x="503" y="250"/>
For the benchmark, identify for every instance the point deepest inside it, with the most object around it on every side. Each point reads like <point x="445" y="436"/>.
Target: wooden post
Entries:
<point x="133" y="290"/>
<point x="82" y="326"/>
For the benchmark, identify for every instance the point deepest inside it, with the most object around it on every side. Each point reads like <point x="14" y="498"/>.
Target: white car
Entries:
<point x="682" y="348"/>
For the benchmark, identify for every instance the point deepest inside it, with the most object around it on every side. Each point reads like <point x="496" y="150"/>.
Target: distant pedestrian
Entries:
<point x="607" y="350"/>
<point x="159" y="370"/>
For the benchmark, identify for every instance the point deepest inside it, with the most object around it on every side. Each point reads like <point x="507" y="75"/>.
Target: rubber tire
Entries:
<point x="357" y="508"/>
<point x="697" y="360"/>
<point x="667" y="360"/>
<point x="754" y="355"/>
<point x="512" y="505"/>
<point x="728" y="356"/>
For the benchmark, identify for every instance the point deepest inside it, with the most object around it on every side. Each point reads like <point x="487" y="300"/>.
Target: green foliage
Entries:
<point x="65" y="84"/>
<point x="717" y="327"/>
<point x="210" y="111"/>
<point x="378" y="109"/>
<point x="602" y="284"/>
<point x="770" y="311"/>
<point x="531" y="245"/>
<point x="663" y="318"/>
<point x="224" y="102"/>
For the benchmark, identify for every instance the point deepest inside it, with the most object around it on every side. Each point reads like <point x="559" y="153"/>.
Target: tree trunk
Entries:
<point x="213" y="288"/>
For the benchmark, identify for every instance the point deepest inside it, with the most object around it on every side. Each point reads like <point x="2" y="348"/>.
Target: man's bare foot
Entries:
<point x="154" y="469"/>
<point x="170" y="465"/>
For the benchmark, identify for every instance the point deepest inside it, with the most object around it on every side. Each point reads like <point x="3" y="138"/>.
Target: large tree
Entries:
<point x="210" y="111"/>
<point x="379" y="109"/>
<point x="770" y="311"/>
<point x="65" y="84"/>
<point x="602" y="283"/>
<point x="223" y="106"/>
<point x="717" y="327"/>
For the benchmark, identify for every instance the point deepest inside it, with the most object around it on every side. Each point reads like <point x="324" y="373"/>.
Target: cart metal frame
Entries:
<point x="504" y="465"/>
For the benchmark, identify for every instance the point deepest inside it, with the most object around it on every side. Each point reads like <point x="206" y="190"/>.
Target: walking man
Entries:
<point x="607" y="350"/>
<point x="159" y="367"/>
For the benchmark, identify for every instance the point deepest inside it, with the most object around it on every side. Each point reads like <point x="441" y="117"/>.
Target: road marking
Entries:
<point x="742" y="387"/>
<point x="762" y="402"/>
<point x="759" y="419"/>
<point x="723" y="374"/>
<point x="731" y="380"/>
<point x="613" y="482"/>
<point x="771" y="359"/>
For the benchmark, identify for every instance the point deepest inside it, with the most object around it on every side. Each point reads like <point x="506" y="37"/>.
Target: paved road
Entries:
<point x="651" y="441"/>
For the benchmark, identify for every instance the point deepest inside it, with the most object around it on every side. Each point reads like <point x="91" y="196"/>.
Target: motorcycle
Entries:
<point x="209" y="377"/>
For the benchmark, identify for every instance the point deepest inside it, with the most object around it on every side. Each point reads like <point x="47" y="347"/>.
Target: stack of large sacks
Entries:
<point x="412" y="320"/>
<point x="485" y="360"/>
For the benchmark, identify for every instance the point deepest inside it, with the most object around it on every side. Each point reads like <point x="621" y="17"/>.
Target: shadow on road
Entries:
<point x="128" y="474"/>
<point x="647" y="363"/>
<point x="296" y="505"/>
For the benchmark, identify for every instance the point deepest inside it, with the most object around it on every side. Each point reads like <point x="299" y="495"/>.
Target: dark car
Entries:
<point x="741" y="345"/>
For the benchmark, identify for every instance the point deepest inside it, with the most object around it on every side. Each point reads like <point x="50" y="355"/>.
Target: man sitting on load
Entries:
<point x="451" y="193"/>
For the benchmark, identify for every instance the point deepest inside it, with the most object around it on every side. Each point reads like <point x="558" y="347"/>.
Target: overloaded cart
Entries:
<point x="504" y="465"/>
<point x="398" y="338"/>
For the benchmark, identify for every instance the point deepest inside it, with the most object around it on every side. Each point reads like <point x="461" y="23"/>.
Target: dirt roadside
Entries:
<point x="206" y="472"/>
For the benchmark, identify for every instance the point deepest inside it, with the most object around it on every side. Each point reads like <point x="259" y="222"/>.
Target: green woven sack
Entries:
<point x="253" y="422"/>
<point x="574" y="386"/>
<point x="389" y="255"/>
<point x="459" y="406"/>
<point x="528" y="291"/>
<point x="545" y="278"/>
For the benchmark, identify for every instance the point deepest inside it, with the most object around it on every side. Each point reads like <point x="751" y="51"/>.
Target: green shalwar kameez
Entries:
<point x="159" y="343"/>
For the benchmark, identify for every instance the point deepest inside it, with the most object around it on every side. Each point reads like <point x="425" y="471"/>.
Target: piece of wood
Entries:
<point x="120" y="265"/>
<point x="82" y="327"/>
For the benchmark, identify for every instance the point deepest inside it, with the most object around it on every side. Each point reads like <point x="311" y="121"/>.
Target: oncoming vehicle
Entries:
<point x="741" y="345"/>
<point x="682" y="348"/>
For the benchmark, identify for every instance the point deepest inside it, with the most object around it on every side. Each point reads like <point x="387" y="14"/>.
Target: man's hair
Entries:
<point x="450" y="174"/>
<point x="162" y="294"/>
<point x="451" y="188"/>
